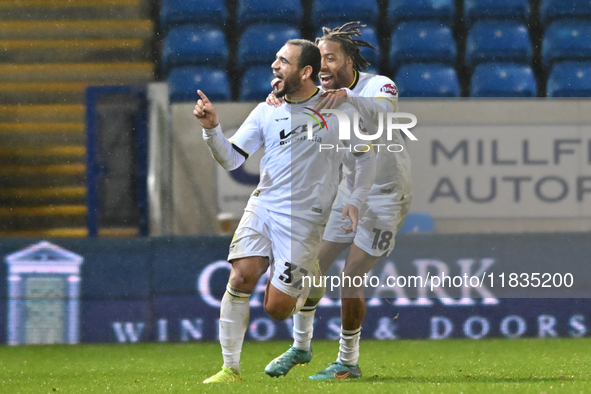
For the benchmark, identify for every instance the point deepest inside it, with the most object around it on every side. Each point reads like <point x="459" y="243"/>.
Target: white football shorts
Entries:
<point x="291" y="243"/>
<point x="380" y="218"/>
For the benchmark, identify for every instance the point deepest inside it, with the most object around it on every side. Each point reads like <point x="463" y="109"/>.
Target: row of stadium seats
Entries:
<point x="495" y="31"/>
<point x="411" y="42"/>
<point x="175" y="12"/>
<point x="567" y="79"/>
<point x="203" y="44"/>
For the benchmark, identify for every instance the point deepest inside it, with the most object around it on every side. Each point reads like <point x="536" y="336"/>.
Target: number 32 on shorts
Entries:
<point x="287" y="276"/>
<point x="382" y="239"/>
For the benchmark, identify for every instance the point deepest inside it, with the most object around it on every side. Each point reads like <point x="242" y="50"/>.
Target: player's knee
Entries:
<point x="243" y="279"/>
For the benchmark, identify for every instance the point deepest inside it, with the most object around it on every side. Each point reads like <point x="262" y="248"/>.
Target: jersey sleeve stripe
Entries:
<point x="237" y="149"/>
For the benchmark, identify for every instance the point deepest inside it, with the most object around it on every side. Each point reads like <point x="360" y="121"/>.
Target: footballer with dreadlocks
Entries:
<point x="382" y="216"/>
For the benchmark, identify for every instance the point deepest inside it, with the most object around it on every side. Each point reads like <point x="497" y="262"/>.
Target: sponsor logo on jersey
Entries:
<point x="389" y="88"/>
<point x="299" y="130"/>
<point x="282" y="134"/>
<point x="280" y="119"/>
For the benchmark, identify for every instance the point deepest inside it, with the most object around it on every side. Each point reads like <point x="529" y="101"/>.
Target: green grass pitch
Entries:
<point x="404" y="366"/>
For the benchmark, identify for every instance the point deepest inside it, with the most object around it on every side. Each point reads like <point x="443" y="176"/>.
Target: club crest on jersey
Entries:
<point x="390" y="89"/>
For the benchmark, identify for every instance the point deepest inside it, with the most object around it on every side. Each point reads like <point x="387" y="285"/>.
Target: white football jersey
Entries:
<point x="296" y="178"/>
<point x="393" y="169"/>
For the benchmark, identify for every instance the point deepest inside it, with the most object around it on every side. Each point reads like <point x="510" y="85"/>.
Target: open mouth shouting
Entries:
<point x="325" y="80"/>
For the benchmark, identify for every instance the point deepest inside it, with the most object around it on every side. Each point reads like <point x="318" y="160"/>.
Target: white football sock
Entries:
<point x="303" y="328"/>
<point x="349" y="346"/>
<point x="234" y="317"/>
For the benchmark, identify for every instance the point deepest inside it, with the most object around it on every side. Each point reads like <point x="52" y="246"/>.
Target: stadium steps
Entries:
<point x="34" y="196"/>
<point x="37" y="134"/>
<point x="50" y="52"/>
<point x="41" y="175"/>
<point x="44" y="92"/>
<point x="43" y="155"/>
<point x="42" y="113"/>
<point x="107" y="73"/>
<point x="42" y="217"/>
<point x="90" y="50"/>
<point x="141" y="29"/>
<point x="69" y="9"/>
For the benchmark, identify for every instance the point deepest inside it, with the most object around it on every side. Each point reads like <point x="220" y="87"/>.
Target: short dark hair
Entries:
<point x="343" y="35"/>
<point x="309" y="56"/>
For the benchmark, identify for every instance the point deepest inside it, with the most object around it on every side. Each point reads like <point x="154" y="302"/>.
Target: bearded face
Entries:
<point x="287" y="71"/>
<point x="336" y="72"/>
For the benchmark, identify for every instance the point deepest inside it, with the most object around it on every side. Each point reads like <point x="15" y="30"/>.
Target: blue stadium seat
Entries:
<point x="503" y="80"/>
<point x="269" y="11"/>
<point x="256" y="83"/>
<point x="194" y="45"/>
<point x="551" y="10"/>
<point x="260" y="42"/>
<point x="570" y="79"/>
<point x="368" y="34"/>
<point x="405" y="10"/>
<point x="498" y="41"/>
<point x="418" y="42"/>
<point x="417" y="222"/>
<point x="427" y="80"/>
<point x="566" y="40"/>
<point x="178" y="12"/>
<point x="326" y="11"/>
<point x="515" y="10"/>
<point x="183" y="83"/>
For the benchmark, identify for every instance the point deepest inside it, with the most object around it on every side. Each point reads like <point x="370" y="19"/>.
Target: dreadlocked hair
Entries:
<point x="344" y="36"/>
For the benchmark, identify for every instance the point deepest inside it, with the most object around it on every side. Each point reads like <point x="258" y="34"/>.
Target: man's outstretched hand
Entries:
<point x="205" y="112"/>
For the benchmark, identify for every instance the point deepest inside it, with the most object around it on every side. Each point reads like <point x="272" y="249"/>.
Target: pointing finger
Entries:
<point x="203" y="97"/>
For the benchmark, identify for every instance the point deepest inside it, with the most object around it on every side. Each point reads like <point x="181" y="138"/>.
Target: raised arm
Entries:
<point x="223" y="151"/>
